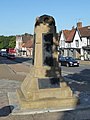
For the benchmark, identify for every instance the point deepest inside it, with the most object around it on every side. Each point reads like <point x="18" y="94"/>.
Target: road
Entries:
<point x="25" y="60"/>
<point x="12" y="73"/>
<point x="81" y="73"/>
<point x="11" y="70"/>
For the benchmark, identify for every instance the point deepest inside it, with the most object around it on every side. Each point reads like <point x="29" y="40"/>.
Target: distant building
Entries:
<point x="24" y="45"/>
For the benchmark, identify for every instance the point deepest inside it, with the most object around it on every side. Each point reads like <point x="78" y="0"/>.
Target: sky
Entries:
<point x="18" y="16"/>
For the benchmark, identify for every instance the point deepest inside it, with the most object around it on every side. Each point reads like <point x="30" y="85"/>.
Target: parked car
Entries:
<point x="11" y="56"/>
<point x="3" y="53"/>
<point x="60" y="58"/>
<point x="68" y="61"/>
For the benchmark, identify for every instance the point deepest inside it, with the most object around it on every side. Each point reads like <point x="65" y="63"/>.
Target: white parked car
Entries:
<point x="3" y="53"/>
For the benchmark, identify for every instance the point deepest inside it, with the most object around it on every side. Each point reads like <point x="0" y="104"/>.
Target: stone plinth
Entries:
<point x="49" y="101"/>
<point x="44" y="86"/>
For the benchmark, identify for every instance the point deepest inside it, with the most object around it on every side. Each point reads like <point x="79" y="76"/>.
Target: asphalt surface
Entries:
<point x="12" y="76"/>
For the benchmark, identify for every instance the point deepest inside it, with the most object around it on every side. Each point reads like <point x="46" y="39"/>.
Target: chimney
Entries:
<point x="72" y="27"/>
<point x="79" y="25"/>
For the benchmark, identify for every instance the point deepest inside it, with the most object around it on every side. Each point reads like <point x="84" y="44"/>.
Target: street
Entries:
<point x="80" y="74"/>
<point x="78" y="78"/>
<point x="11" y="70"/>
<point x="12" y="74"/>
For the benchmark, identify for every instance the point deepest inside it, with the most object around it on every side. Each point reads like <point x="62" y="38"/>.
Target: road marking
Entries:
<point x="67" y="72"/>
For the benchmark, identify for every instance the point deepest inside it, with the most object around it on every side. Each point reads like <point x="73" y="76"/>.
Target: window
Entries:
<point x="69" y="45"/>
<point x="62" y="43"/>
<point x="77" y="43"/>
<point x="88" y="42"/>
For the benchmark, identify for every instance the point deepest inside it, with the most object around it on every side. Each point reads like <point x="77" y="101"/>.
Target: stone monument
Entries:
<point x="44" y="87"/>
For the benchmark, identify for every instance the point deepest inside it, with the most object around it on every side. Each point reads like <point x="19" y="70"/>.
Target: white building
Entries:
<point x="75" y="42"/>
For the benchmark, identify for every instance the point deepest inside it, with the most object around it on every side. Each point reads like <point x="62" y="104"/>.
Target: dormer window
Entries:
<point x="77" y="43"/>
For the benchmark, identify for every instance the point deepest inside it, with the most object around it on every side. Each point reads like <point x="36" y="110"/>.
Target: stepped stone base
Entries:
<point x="49" y="102"/>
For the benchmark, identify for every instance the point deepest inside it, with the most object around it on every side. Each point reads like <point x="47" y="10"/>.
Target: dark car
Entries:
<point x="68" y="61"/>
<point x="11" y="56"/>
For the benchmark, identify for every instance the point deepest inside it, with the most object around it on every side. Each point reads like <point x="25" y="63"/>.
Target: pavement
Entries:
<point x="6" y="113"/>
<point x="84" y="62"/>
<point x="18" y="74"/>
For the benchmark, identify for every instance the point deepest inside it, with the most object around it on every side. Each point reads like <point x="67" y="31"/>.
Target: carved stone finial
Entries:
<point x="45" y="19"/>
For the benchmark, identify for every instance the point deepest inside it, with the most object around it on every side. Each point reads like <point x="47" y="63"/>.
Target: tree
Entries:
<point x="12" y="42"/>
<point x="7" y="42"/>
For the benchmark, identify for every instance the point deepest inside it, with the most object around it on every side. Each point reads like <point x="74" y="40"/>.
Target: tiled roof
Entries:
<point x="66" y="33"/>
<point x="84" y="31"/>
<point x="69" y="34"/>
<point x="26" y="37"/>
<point x="27" y="40"/>
<point x="28" y="44"/>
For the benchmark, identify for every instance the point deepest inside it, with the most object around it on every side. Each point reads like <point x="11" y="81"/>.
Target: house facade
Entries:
<point x="75" y="42"/>
<point x="24" y="45"/>
<point x="85" y="36"/>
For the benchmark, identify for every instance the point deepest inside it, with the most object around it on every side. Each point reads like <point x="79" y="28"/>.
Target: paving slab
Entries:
<point x="13" y="101"/>
<point x="10" y="86"/>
